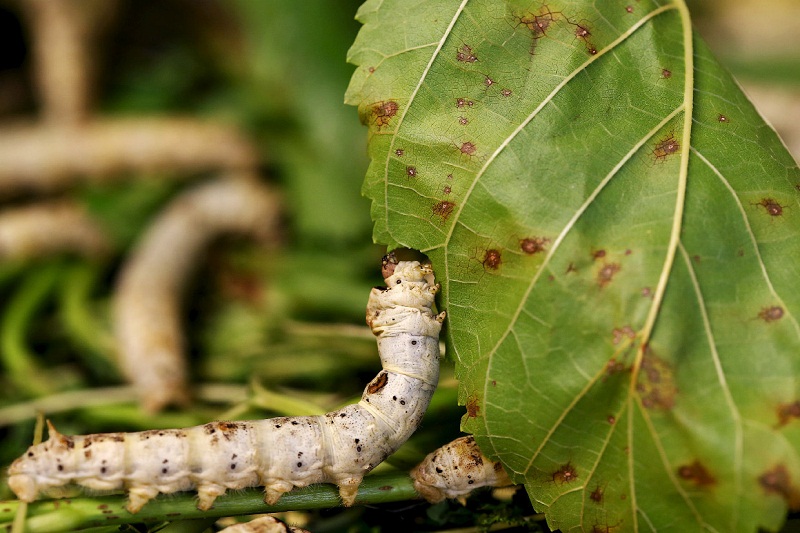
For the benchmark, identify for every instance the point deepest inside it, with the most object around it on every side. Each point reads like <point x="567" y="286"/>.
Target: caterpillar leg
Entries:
<point x="207" y="494"/>
<point x="348" y="489"/>
<point x="138" y="496"/>
<point x="275" y="489"/>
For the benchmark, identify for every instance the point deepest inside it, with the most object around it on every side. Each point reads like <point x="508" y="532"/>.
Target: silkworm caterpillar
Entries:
<point x="44" y="157"/>
<point x="147" y="318"/>
<point x="279" y="453"/>
<point x="264" y="524"/>
<point x="455" y="470"/>
<point x="46" y="228"/>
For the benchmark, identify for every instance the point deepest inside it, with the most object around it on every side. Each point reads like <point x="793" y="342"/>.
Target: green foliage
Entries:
<point x="615" y="229"/>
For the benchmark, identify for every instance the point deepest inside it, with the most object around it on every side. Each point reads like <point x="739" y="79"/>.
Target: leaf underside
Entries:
<point x="616" y="232"/>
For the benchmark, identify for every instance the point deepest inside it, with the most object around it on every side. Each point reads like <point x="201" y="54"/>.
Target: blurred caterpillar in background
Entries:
<point x="279" y="453"/>
<point x="455" y="470"/>
<point x="264" y="524"/>
<point x="147" y="299"/>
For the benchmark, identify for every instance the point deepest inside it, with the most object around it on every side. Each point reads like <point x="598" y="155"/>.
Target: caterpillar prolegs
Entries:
<point x="278" y="453"/>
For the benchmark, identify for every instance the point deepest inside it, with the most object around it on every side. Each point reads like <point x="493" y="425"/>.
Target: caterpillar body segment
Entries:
<point x="455" y="470"/>
<point x="340" y="447"/>
<point x="264" y="524"/>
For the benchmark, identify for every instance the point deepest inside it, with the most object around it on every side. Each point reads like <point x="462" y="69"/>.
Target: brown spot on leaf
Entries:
<point x="382" y="112"/>
<point x="598" y="254"/>
<point x="473" y="407"/>
<point x="629" y="9"/>
<point x="463" y="102"/>
<point x="787" y="412"/>
<point x="778" y="481"/>
<point x="620" y="334"/>
<point x="487" y="81"/>
<point x="597" y="495"/>
<point x="666" y="73"/>
<point x="463" y="121"/>
<point x="378" y="383"/>
<point x="722" y="118"/>
<point x="606" y="273"/>
<point x="506" y="92"/>
<point x="468" y="148"/>
<point x="656" y="382"/>
<point x="533" y="245"/>
<point x="566" y="473"/>
<point x="697" y="474"/>
<point x="399" y="152"/>
<point x="411" y="171"/>
<point x="666" y="147"/>
<point x="444" y="208"/>
<point x="492" y="259"/>
<point x="771" y="314"/>
<point x="771" y="206"/>
<point x="465" y="55"/>
<point x="582" y="31"/>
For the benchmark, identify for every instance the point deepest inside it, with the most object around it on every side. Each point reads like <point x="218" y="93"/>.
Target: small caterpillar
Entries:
<point x="264" y="524"/>
<point x="455" y="470"/>
<point x="147" y="321"/>
<point x="279" y="453"/>
<point x="44" y="228"/>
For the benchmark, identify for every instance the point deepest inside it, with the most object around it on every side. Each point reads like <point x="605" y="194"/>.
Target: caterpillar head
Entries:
<point x="39" y="468"/>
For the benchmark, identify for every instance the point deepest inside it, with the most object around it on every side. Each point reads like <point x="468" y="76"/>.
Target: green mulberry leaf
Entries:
<point x="617" y="234"/>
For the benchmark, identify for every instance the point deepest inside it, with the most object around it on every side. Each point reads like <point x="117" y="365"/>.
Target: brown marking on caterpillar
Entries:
<point x="771" y="314"/>
<point x="473" y="407"/>
<point x="383" y="112"/>
<point x="533" y="245"/>
<point x="443" y="208"/>
<point x="666" y="147"/>
<point x="772" y="207"/>
<point x="280" y="453"/>
<point x="378" y="383"/>
<point x="787" y="412"/>
<point x="656" y="382"/>
<point x="455" y="470"/>
<point x="606" y="273"/>
<point x="778" y="481"/>
<point x="566" y="473"/>
<point x="697" y="474"/>
<point x="492" y="259"/>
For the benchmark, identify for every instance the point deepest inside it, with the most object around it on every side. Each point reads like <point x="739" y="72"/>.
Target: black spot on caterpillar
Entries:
<point x="338" y="447"/>
<point x="455" y="470"/>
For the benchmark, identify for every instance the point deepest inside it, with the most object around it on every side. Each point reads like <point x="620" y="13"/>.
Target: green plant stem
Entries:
<point x="84" y="328"/>
<point x="80" y="513"/>
<point x="17" y="358"/>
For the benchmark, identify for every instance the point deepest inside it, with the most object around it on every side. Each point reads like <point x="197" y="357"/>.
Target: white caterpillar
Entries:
<point x="455" y="470"/>
<point x="45" y="228"/>
<point x="147" y="300"/>
<point x="264" y="524"/>
<point x="278" y="453"/>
